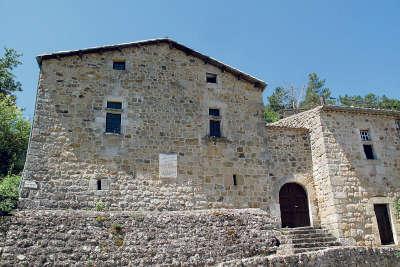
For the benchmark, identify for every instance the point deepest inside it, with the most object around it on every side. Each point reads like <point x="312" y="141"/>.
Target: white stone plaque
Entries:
<point x="30" y="184"/>
<point x="168" y="165"/>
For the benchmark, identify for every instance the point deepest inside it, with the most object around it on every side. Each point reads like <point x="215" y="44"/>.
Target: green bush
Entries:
<point x="100" y="206"/>
<point x="9" y="193"/>
<point x="270" y="115"/>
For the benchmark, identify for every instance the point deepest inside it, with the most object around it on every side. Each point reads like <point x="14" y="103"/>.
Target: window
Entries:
<point x="119" y="65"/>
<point x="369" y="152"/>
<point x="213" y="112"/>
<point x="114" y="105"/>
<point x="234" y="179"/>
<point x="113" y="117"/>
<point x="211" y="78"/>
<point x="113" y="123"/>
<point x="364" y="134"/>
<point x="98" y="184"/>
<point x="398" y="127"/>
<point x="215" y="122"/>
<point x="215" y="128"/>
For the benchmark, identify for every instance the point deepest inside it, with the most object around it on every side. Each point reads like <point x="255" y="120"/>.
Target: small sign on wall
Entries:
<point x="30" y="184"/>
<point x="168" y="165"/>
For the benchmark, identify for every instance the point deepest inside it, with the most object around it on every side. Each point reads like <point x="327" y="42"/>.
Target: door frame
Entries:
<point x="392" y="217"/>
<point x="307" y="201"/>
<point x="307" y="183"/>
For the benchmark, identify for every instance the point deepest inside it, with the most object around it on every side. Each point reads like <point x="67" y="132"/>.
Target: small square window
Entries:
<point x="119" y="65"/>
<point x="369" y="152"/>
<point x="98" y="184"/>
<point x="364" y="134"/>
<point x="213" y="112"/>
<point x="114" y="105"/>
<point x="211" y="78"/>
<point x="113" y="123"/>
<point x="215" y="128"/>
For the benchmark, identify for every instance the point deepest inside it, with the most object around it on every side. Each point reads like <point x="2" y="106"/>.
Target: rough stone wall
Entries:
<point x="342" y="256"/>
<point x="289" y="160"/>
<point x="85" y="238"/>
<point x="165" y="101"/>
<point x="324" y="197"/>
<point x="357" y="182"/>
<point x="351" y="183"/>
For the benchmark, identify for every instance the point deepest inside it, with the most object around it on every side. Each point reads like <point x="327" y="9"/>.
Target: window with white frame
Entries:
<point x="365" y="136"/>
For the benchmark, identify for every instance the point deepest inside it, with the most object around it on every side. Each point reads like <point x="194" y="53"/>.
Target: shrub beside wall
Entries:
<point x="9" y="193"/>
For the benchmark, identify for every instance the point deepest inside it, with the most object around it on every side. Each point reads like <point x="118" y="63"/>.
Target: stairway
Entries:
<point x="305" y="239"/>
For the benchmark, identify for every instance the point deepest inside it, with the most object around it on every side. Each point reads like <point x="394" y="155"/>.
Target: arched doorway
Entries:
<point x="294" y="206"/>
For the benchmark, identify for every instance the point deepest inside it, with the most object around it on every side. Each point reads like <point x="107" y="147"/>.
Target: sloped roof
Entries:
<point x="241" y="75"/>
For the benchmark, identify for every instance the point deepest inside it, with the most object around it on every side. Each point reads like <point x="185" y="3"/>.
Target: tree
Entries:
<point x="370" y="101"/>
<point x="14" y="136"/>
<point x="8" y="84"/>
<point x="271" y="115"/>
<point x="314" y="91"/>
<point x="277" y="102"/>
<point x="389" y="103"/>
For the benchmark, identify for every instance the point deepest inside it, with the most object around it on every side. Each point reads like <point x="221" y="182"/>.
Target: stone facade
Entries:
<point x="164" y="159"/>
<point x="349" y="184"/>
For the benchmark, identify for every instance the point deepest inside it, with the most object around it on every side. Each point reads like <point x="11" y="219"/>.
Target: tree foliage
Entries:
<point x="14" y="136"/>
<point x="283" y="99"/>
<point x="9" y="193"/>
<point x="316" y="90"/>
<point x="370" y="101"/>
<point x="8" y="62"/>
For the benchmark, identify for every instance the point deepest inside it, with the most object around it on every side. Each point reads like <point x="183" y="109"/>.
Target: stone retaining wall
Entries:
<point x="86" y="238"/>
<point x="343" y="256"/>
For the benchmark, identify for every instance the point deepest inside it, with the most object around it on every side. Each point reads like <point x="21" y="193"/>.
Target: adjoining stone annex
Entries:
<point x="155" y="126"/>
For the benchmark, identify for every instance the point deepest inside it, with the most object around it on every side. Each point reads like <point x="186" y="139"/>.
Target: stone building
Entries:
<point x="157" y="126"/>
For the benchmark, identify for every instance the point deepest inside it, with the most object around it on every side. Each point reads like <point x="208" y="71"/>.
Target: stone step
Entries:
<point x="317" y="244"/>
<point x="296" y="231"/>
<point x="314" y="239"/>
<point x="313" y="235"/>
<point x="303" y="250"/>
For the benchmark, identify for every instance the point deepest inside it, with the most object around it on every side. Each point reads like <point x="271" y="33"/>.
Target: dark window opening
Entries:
<point x="213" y="112"/>
<point x="398" y="127"/>
<point x="234" y="180"/>
<point x="211" y="77"/>
<point x="113" y="123"/>
<point x="215" y="128"/>
<point x="369" y="152"/>
<point x="98" y="184"/>
<point x="119" y="65"/>
<point x="114" y="105"/>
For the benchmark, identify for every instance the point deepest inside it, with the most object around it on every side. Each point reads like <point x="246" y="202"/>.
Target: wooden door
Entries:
<point x="294" y="206"/>
<point x="384" y="225"/>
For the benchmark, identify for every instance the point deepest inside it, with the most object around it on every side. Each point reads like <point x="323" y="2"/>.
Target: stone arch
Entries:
<point x="293" y="201"/>
<point x="307" y="183"/>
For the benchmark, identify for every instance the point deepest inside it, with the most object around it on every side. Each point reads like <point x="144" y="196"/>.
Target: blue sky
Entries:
<point x="353" y="44"/>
